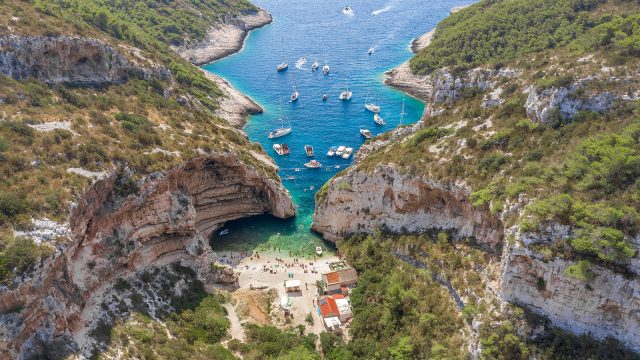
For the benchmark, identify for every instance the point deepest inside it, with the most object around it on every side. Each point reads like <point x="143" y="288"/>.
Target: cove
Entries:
<point x="319" y="30"/>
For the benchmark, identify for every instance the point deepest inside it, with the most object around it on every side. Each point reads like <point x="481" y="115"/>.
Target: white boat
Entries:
<point x="283" y="65"/>
<point x="371" y="51"/>
<point x="346" y="95"/>
<point x="319" y="250"/>
<point x="347" y="153"/>
<point x="332" y="151"/>
<point x="281" y="149"/>
<point x="325" y="69"/>
<point x="309" y="150"/>
<point x="377" y="119"/>
<point x="313" y="164"/>
<point x="301" y="62"/>
<point x="347" y="10"/>
<point x="315" y="66"/>
<point x="373" y="107"/>
<point x="366" y="133"/>
<point x="325" y="97"/>
<point x="223" y="232"/>
<point x="340" y="150"/>
<point x="295" y="94"/>
<point x="282" y="131"/>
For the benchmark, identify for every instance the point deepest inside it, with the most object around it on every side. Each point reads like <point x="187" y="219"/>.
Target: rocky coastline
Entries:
<point x="226" y="38"/>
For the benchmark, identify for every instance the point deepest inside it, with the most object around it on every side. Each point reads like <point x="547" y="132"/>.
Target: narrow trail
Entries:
<point x="236" y="330"/>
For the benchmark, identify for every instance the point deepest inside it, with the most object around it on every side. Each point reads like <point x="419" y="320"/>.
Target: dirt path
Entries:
<point x="236" y="331"/>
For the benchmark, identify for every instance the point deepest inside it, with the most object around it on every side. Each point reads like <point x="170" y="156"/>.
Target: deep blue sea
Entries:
<point x="320" y="30"/>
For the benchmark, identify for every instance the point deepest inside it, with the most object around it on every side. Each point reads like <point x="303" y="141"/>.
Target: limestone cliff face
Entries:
<point x="167" y="220"/>
<point x="387" y="199"/>
<point x="69" y="60"/>
<point x="608" y="305"/>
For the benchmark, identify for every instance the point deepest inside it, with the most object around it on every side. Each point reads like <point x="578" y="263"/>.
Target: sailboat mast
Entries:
<point x="402" y="113"/>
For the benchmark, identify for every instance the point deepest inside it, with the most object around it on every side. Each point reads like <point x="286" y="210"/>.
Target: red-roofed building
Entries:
<point x="339" y="278"/>
<point x="335" y="306"/>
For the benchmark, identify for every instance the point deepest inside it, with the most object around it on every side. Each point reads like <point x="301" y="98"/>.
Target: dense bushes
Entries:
<point x="498" y="30"/>
<point x="17" y="255"/>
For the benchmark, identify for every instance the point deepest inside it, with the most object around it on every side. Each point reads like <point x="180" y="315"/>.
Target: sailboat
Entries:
<point x="283" y="65"/>
<point x="282" y="131"/>
<point x="295" y="94"/>
<point x="325" y="68"/>
<point x="371" y="106"/>
<point x="402" y="113"/>
<point x="346" y="94"/>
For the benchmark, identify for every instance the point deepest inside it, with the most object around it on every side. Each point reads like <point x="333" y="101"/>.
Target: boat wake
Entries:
<point x="348" y="12"/>
<point x="382" y="11"/>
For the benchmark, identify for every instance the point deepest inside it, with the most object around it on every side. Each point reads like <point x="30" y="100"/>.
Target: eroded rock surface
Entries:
<point x="70" y="60"/>
<point x="116" y="235"/>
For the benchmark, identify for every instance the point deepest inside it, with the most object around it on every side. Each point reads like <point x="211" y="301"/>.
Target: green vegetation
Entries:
<point x="269" y="342"/>
<point x="17" y="255"/>
<point x="495" y="31"/>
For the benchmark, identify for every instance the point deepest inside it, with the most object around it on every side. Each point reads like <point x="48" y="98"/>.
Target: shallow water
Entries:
<point x="319" y="30"/>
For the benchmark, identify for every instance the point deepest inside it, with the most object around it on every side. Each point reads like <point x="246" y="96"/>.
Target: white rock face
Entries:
<point x="447" y="88"/>
<point x="608" y="306"/>
<point x="389" y="200"/>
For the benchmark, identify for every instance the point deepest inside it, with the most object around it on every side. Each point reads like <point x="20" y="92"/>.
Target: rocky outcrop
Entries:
<point x="449" y="87"/>
<point x="608" y="305"/>
<point x="404" y="79"/>
<point x="168" y="219"/>
<point x="386" y="199"/>
<point x="225" y="38"/>
<point x="233" y="105"/>
<point x="69" y="60"/>
<point x="547" y="105"/>
<point x="422" y="41"/>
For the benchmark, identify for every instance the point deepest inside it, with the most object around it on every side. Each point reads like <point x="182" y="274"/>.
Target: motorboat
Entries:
<point x="281" y="131"/>
<point x="281" y="149"/>
<point x="332" y="151"/>
<point x="301" y="62"/>
<point x="371" y="51"/>
<point x="224" y="232"/>
<point x="325" y="68"/>
<point x="340" y="150"/>
<point x="378" y="119"/>
<point x="366" y="133"/>
<point x="309" y="150"/>
<point x="325" y="97"/>
<point x="315" y="66"/>
<point x="313" y="164"/>
<point x="294" y="95"/>
<point x="371" y="106"/>
<point x="347" y="10"/>
<point x="319" y="250"/>
<point x="347" y="153"/>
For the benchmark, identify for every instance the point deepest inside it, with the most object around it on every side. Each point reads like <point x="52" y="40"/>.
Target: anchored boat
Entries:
<point x="346" y="94"/>
<point x="332" y="151"/>
<point x="319" y="250"/>
<point x="377" y="119"/>
<point x="309" y="150"/>
<point x="366" y="133"/>
<point x="283" y="65"/>
<point x="315" y="66"/>
<point x="281" y="149"/>
<point x="282" y="131"/>
<point x="313" y="164"/>
<point x="347" y="153"/>
<point x="373" y="107"/>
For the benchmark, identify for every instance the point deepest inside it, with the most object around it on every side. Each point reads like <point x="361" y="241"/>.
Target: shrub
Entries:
<point x="580" y="270"/>
<point x="11" y="205"/>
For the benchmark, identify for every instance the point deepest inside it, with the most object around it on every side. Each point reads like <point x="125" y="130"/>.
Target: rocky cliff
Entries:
<point x="607" y="305"/>
<point x="168" y="218"/>
<point x="70" y="60"/>
<point x="386" y="199"/>
<point x="225" y="38"/>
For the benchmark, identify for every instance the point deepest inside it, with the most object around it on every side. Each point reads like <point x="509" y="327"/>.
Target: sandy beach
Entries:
<point x="261" y="286"/>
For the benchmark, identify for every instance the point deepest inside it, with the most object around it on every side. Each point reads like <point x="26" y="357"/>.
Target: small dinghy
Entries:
<point x="313" y="164"/>
<point x="294" y="95"/>
<point x="347" y="153"/>
<point x="332" y="151"/>
<point x="223" y="232"/>
<point x="325" y="69"/>
<point x="318" y="250"/>
<point x="366" y="133"/>
<point x="281" y="149"/>
<point x="340" y="150"/>
<point x="309" y="150"/>
<point x="378" y="120"/>
<point x="315" y="66"/>
<point x="325" y="97"/>
<point x="371" y="51"/>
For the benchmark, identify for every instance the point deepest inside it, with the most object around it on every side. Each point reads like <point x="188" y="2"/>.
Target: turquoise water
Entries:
<point x="319" y="30"/>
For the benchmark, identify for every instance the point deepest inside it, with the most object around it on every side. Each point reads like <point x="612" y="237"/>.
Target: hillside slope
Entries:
<point x="531" y="120"/>
<point x="114" y="160"/>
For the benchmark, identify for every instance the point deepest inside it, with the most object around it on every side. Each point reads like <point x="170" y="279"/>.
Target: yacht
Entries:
<point x="315" y="66"/>
<point x="347" y="153"/>
<point x="366" y="133"/>
<point x="281" y="149"/>
<point x="313" y="164"/>
<point x="377" y="119"/>
<point x="301" y="62"/>
<point x="281" y="131"/>
<point x="309" y="150"/>
<point x="319" y="250"/>
<point x="325" y="68"/>
<point x="374" y="108"/>
<point x="332" y="151"/>
<point x="283" y="65"/>
<point x="371" y="51"/>
<point x="340" y="150"/>
<point x="346" y="94"/>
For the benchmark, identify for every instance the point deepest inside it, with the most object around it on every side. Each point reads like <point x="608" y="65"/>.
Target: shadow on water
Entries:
<point x="266" y="233"/>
